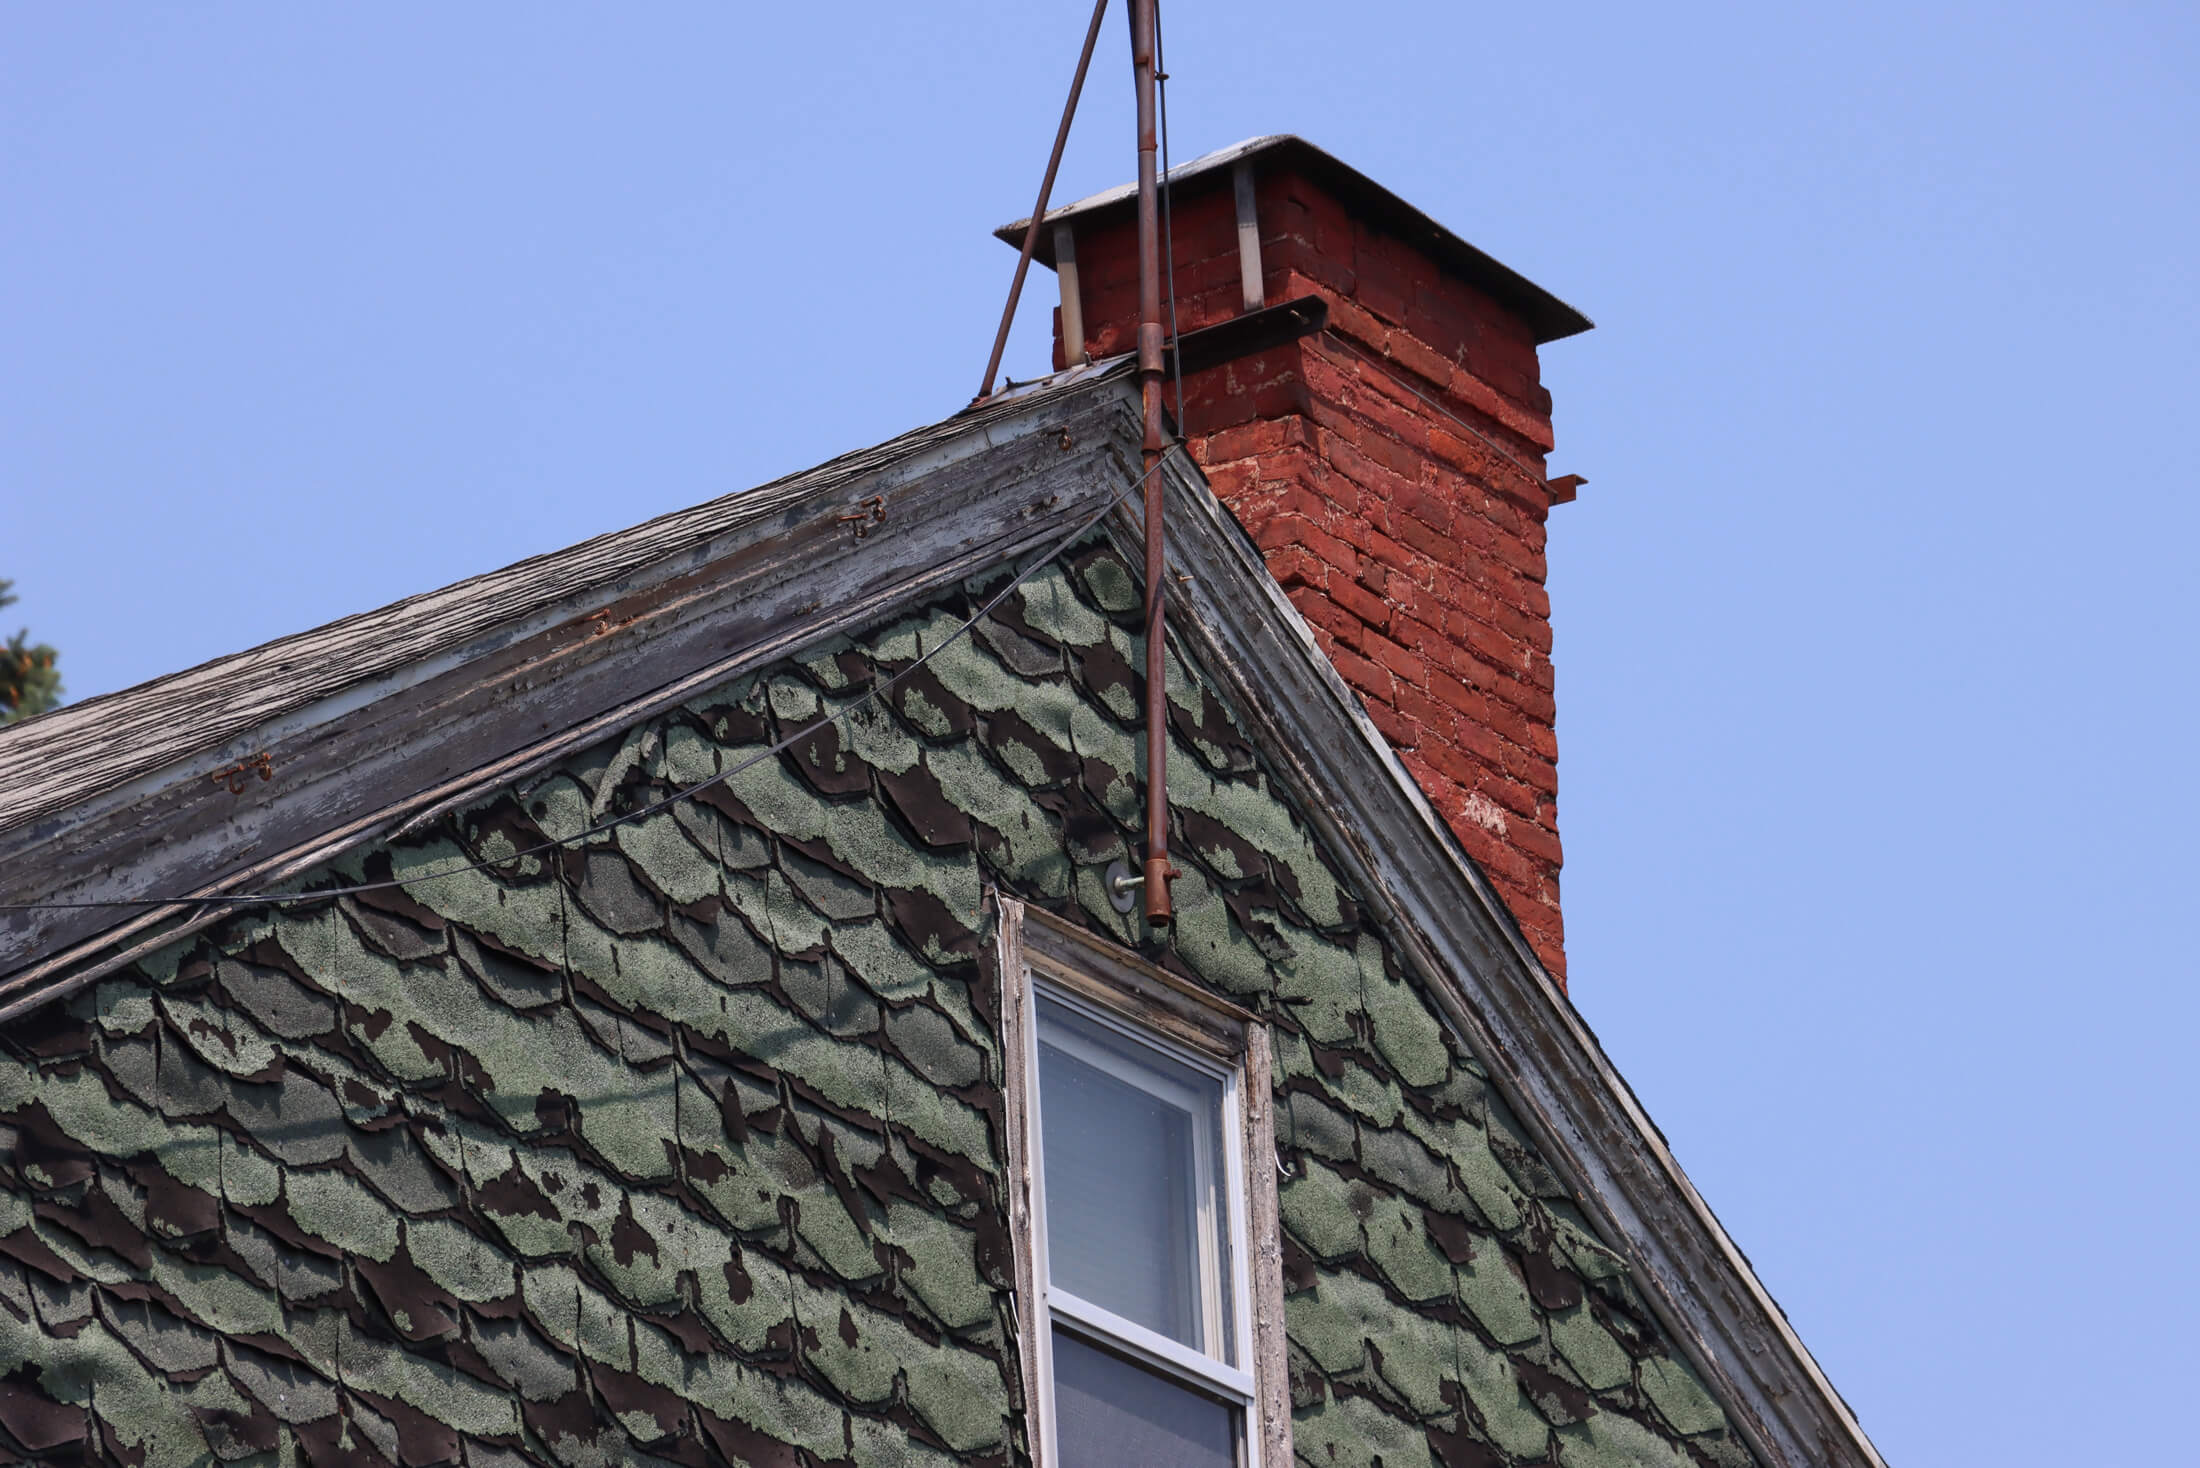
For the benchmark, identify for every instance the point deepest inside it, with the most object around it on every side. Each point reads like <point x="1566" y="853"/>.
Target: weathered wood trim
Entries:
<point x="1016" y="1040"/>
<point x="54" y="763"/>
<point x="1271" y="1363"/>
<point x="1122" y="981"/>
<point x="1235" y="622"/>
<point x="433" y="734"/>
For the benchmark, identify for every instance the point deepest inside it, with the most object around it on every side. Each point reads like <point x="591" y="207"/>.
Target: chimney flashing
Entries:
<point x="1548" y="317"/>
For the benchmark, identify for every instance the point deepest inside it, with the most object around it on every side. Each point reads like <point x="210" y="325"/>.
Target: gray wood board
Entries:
<point x="50" y="763"/>
<point x="755" y="590"/>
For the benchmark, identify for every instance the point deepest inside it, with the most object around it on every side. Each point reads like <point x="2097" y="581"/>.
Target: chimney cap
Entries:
<point x="1548" y="316"/>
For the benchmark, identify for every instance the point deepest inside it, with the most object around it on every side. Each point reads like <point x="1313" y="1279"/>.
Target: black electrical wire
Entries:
<point x="878" y="687"/>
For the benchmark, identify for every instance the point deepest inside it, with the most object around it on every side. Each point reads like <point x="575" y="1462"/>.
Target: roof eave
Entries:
<point x="378" y="721"/>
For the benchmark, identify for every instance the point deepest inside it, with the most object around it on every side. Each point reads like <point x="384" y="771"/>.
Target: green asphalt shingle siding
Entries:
<point x="686" y="1146"/>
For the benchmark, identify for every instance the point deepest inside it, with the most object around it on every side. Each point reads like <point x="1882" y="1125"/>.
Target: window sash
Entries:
<point x="1150" y="1347"/>
<point x="1210" y="1373"/>
<point x="1215" y="1216"/>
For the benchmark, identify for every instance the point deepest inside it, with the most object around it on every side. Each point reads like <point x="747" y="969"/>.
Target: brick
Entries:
<point x="1409" y="667"/>
<point x="1425" y="539"/>
<point x="1439" y="512"/>
<point x="1477" y="738"/>
<point x="1527" y="562"/>
<point x="1538" y="774"/>
<point x="1494" y="647"/>
<point x="1506" y="721"/>
<point x="1419" y="358"/>
<point x="1391" y="470"/>
<point x="1545" y="932"/>
<point x="1391" y="553"/>
<point x="1532" y="838"/>
<point x="1483" y="398"/>
<point x="1363" y="675"/>
<point x="1246" y="440"/>
<point x="1405" y="422"/>
<point x="1537" y="705"/>
<point x="1315" y="605"/>
<point x="1455" y="764"/>
<point x="1511" y="794"/>
<point x="1338" y="444"/>
<point x="1372" y="610"/>
<point x="1538" y="671"/>
<point x="1399" y="731"/>
<point x="1441" y="792"/>
<point x="1426" y="712"/>
<point x="1233" y="479"/>
<point x="1407" y="600"/>
<point x="1399" y="458"/>
<point x="1285" y="528"/>
<point x="1385" y="285"/>
<point x="1450" y="690"/>
<point x="1412" y="632"/>
<point x="1501" y="861"/>
<point x="1296" y="498"/>
<point x="1296" y="566"/>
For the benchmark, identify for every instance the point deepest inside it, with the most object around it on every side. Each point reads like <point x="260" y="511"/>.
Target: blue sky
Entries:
<point x="1875" y="622"/>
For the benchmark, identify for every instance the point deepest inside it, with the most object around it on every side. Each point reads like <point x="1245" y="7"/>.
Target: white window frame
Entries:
<point x="1152" y="1007"/>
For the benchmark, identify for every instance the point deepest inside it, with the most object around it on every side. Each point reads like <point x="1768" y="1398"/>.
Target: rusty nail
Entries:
<point x="872" y="513"/>
<point x="238" y="775"/>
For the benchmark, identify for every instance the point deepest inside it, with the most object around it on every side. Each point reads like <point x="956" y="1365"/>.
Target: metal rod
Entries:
<point x="1046" y="189"/>
<point x="1158" y="871"/>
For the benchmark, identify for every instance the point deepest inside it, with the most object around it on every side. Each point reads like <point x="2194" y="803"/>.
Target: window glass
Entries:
<point x="1132" y="1145"/>
<point x="1111" y="1414"/>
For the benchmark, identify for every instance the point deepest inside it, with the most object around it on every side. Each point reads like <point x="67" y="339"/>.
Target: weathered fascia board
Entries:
<point x="50" y="764"/>
<point x="446" y="727"/>
<point x="1234" y="619"/>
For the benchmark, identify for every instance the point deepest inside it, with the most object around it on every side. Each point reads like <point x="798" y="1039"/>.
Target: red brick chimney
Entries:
<point x="1390" y="466"/>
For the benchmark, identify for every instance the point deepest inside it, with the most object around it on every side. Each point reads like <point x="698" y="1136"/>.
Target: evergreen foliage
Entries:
<point x="30" y="683"/>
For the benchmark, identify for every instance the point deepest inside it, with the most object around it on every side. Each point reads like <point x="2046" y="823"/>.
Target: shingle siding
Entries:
<point x="685" y="1145"/>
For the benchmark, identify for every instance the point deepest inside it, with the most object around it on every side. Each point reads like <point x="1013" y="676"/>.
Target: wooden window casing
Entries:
<point x="1039" y="951"/>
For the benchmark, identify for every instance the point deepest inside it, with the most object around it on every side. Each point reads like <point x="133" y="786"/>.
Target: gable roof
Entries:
<point x="374" y="724"/>
<point x="394" y="715"/>
<point x="1550" y="318"/>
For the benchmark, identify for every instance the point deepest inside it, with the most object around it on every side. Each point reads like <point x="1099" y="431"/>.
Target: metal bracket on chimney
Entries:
<point x="1242" y="336"/>
<point x="1564" y="487"/>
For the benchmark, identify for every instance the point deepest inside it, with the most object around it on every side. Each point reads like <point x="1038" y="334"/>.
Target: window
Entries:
<point x="1148" y="1279"/>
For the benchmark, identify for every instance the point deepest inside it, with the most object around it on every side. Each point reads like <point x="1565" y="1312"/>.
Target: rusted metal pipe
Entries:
<point x="1158" y="871"/>
<point x="1038" y="210"/>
